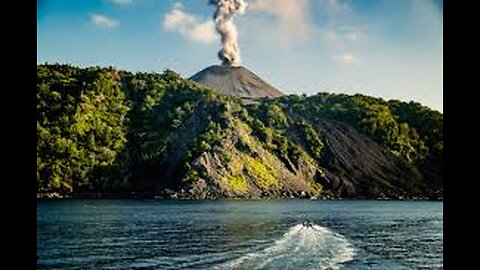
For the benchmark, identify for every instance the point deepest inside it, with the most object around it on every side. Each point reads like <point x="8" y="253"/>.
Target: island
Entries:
<point x="226" y="133"/>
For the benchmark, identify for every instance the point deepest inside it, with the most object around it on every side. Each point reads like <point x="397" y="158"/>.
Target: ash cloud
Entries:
<point x="229" y="54"/>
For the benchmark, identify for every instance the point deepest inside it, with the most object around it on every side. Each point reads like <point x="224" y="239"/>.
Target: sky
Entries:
<point x="391" y="49"/>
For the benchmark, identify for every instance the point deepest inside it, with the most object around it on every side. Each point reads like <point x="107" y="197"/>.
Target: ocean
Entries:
<point x="236" y="234"/>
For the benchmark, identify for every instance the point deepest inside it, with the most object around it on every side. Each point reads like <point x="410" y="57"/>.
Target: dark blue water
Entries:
<point x="131" y="234"/>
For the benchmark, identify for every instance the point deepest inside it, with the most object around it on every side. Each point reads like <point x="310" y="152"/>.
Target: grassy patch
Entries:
<point x="238" y="183"/>
<point x="264" y="175"/>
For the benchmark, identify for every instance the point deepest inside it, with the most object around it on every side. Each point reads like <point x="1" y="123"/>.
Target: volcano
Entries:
<point x="236" y="81"/>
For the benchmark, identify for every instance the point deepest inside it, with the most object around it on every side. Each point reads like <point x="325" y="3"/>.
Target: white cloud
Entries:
<point x="103" y="21"/>
<point x="337" y="7"/>
<point x="353" y="36"/>
<point x="332" y="38"/>
<point x="202" y="32"/>
<point x="177" y="19"/>
<point x="341" y="38"/>
<point x="292" y="16"/>
<point x="122" y="2"/>
<point x="289" y="22"/>
<point x="342" y="26"/>
<point x="347" y="58"/>
<point x="188" y="25"/>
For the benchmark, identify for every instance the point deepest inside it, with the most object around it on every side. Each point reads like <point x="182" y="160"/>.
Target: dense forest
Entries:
<point x="104" y="131"/>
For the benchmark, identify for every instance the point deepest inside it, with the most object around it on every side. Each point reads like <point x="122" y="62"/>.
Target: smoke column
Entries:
<point x="223" y="18"/>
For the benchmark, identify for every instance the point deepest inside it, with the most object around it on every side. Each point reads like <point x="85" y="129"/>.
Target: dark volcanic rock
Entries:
<point x="236" y="81"/>
<point x="357" y="165"/>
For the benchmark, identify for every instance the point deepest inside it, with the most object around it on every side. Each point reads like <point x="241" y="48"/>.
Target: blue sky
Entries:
<point x="384" y="48"/>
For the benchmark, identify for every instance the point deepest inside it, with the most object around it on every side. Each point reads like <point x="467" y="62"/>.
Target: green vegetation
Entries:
<point x="100" y="129"/>
<point x="311" y="138"/>
<point x="262" y="174"/>
<point x="81" y="127"/>
<point x="238" y="183"/>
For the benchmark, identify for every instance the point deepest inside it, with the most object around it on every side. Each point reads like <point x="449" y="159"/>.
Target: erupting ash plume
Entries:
<point x="230" y="52"/>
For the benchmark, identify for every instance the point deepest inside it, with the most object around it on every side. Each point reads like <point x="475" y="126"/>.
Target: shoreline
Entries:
<point x="57" y="196"/>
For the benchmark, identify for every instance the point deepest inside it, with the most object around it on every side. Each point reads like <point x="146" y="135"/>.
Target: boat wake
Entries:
<point x="301" y="247"/>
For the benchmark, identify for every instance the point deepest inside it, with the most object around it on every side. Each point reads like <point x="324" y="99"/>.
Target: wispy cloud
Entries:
<point x="347" y="58"/>
<point x="342" y="23"/>
<point x="188" y="25"/>
<point x="341" y="31"/>
<point x="104" y="21"/>
<point x="122" y="2"/>
<point x="341" y="38"/>
<point x="353" y="36"/>
<point x="292" y="16"/>
<point x="336" y="7"/>
<point x="290" y="22"/>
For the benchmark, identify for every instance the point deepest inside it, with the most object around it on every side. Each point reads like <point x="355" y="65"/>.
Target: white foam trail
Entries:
<point x="300" y="247"/>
